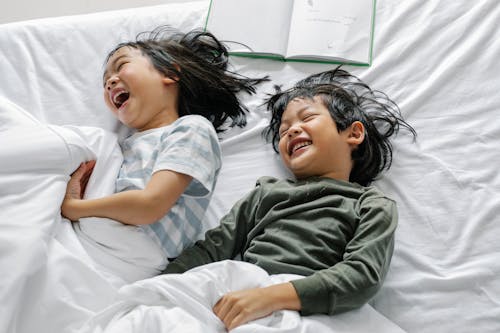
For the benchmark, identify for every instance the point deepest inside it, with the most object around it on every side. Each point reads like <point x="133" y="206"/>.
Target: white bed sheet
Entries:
<point x="437" y="59"/>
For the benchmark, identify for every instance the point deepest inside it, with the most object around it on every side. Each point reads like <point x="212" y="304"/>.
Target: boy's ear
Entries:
<point x="356" y="134"/>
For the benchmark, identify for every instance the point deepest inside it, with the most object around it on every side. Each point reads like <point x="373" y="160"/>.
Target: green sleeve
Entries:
<point x="354" y="281"/>
<point x="223" y="242"/>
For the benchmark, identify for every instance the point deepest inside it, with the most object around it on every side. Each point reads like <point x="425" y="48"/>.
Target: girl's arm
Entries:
<point x="239" y="307"/>
<point x="129" y="207"/>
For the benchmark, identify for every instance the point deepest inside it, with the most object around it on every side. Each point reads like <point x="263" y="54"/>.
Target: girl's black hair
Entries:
<point x="198" y="61"/>
<point x="348" y="99"/>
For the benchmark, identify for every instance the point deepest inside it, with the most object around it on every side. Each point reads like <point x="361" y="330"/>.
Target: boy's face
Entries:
<point x="310" y="144"/>
<point x="135" y="91"/>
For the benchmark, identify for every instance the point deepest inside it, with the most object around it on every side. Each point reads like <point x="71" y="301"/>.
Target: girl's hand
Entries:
<point x="79" y="180"/>
<point x="239" y="307"/>
<point x="76" y="188"/>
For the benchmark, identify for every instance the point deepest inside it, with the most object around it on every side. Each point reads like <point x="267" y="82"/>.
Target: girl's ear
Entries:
<point x="169" y="80"/>
<point x="356" y="134"/>
<point x="172" y="79"/>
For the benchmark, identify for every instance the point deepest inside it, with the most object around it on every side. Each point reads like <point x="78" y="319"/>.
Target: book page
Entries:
<point x="332" y="28"/>
<point x="261" y="25"/>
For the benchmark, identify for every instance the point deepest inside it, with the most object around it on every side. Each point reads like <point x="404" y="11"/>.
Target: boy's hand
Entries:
<point x="76" y="188"/>
<point x="239" y="307"/>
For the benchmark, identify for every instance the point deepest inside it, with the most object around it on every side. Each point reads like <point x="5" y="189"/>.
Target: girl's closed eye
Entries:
<point x="120" y="65"/>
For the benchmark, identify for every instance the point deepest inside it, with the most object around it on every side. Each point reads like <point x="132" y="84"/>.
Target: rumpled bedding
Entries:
<point x="439" y="60"/>
<point x="48" y="283"/>
<point x="179" y="303"/>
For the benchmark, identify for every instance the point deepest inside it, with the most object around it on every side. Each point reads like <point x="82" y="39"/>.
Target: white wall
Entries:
<point x="18" y="10"/>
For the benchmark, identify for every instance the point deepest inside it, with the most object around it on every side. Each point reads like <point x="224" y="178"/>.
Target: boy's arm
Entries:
<point x="129" y="207"/>
<point x="354" y="281"/>
<point x="223" y="242"/>
<point x="345" y="286"/>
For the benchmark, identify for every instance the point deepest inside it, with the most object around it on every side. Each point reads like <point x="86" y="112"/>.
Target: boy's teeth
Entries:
<point x="300" y="145"/>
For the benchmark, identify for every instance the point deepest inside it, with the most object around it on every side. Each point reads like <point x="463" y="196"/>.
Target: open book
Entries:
<point x="332" y="31"/>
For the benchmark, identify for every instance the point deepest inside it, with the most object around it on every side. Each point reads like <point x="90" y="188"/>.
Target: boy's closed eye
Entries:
<point x="282" y="132"/>
<point x="305" y="118"/>
<point x="309" y="116"/>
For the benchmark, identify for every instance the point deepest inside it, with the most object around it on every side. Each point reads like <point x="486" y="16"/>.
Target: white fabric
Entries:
<point x="44" y="268"/>
<point x="437" y="59"/>
<point x="183" y="303"/>
<point x="124" y="251"/>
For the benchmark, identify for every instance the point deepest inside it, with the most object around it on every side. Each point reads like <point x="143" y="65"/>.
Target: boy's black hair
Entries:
<point x="348" y="99"/>
<point x="198" y="61"/>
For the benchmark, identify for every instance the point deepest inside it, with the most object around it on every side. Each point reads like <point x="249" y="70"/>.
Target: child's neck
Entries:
<point x="161" y="119"/>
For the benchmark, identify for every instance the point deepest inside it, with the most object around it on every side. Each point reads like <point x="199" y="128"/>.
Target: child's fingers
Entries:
<point x="88" y="170"/>
<point x="83" y="170"/>
<point x="80" y="178"/>
<point x="91" y="165"/>
<point x="221" y="309"/>
<point x="229" y="318"/>
<point x="85" y="179"/>
<point x="229" y="311"/>
<point x="238" y="320"/>
<point x="79" y="171"/>
<point x="217" y="307"/>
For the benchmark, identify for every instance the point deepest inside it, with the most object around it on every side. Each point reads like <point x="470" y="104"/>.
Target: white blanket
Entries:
<point x="45" y="271"/>
<point x="180" y="303"/>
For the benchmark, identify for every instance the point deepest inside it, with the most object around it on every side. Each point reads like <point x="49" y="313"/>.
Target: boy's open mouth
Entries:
<point x="120" y="98"/>
<point x="296" y="146"/>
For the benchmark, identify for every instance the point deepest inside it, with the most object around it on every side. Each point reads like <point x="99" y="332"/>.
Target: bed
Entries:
<point x="437" y="59"/>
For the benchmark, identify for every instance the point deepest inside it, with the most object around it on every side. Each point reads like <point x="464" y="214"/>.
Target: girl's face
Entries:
<point x="310" y="144"/>
<point x="139" y="95"/>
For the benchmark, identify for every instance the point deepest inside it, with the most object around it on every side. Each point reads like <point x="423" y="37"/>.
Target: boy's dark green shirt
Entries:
<point x="338" y="234"/>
